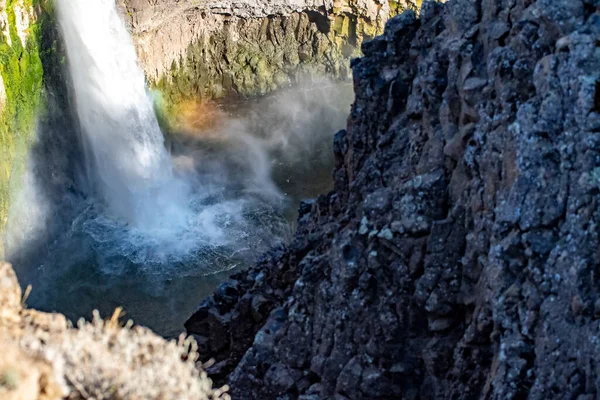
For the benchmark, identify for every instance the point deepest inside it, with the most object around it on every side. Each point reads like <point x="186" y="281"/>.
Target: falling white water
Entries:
<point x="126" y="160"/>
<point x="140" y="207"/>
<point x="145" y="227"/>
<point x="144" y="206"/>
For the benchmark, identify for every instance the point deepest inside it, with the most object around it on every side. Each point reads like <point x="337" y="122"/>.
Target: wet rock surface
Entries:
<point x="458" y="255"/>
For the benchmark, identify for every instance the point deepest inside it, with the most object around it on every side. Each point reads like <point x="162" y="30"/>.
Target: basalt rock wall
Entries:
<point x="198" y="50"/>
<point x="458" y="255"/>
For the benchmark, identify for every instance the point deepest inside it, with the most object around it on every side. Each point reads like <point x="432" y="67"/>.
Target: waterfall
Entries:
<point x="127" y="164"/>
<point x="142" y="227"/>
<point x="141" y="206"/>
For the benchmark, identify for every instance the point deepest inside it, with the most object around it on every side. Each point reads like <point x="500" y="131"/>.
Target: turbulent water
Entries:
<point x="144" y="208"/>
<point x="154" y="228"/>
<point x="126" y="163"/>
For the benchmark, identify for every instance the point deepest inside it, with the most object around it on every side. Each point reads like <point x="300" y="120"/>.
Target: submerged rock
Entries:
<point x="472" y="152"/>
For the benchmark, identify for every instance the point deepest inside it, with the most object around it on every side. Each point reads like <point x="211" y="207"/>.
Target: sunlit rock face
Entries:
<point x="2" y="95"/>
<point x="23" y="18"/>
<point x="201" y="49"/>
<point x="20" y="92"/>
<point x="4" y="23"/>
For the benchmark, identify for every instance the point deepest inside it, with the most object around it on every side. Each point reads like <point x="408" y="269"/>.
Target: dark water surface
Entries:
<point x="268" y="153"/>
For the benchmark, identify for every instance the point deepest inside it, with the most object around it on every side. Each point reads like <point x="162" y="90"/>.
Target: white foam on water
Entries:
<point x="148" y="212"/>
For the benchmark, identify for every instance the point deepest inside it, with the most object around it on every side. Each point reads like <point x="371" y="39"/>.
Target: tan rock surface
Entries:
<point x="42" y="357"/>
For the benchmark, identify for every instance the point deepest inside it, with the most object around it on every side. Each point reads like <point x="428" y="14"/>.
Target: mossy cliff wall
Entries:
<point x="193" y="49"/>
<point x="21" y="76"/>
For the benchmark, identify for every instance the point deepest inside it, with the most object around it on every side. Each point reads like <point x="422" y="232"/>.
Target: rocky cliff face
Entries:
<point x="201" y="49"/>
<point x="457" y="256"/>
<point x="21" y="76"/>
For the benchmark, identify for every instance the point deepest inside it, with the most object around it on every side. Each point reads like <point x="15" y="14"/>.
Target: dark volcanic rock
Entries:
<point x="458" y="257"/>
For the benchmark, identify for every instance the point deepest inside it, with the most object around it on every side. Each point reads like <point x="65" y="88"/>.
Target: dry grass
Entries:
<point x="42" y="357"/>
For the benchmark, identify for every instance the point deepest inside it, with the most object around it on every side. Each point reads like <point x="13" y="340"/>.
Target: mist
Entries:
<point x="245" y="166"/>
<point x="110" y="213"/>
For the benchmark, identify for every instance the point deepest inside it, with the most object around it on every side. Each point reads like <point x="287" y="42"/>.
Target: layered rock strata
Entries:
<point x="202" y="49"/>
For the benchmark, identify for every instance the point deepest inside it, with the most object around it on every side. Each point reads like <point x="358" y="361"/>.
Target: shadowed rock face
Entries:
<point x="458" y="255"/>
<point x="199" y="49"/>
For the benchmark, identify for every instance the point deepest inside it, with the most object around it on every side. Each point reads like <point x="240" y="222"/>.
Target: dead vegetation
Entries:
<point x="42" y="357"/>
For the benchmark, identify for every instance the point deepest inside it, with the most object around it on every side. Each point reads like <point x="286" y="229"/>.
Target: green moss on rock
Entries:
<point x="252" y="57"/>
<point x="22" y="74"/>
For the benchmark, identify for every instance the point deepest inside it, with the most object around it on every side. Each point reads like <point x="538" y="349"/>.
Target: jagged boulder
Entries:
<point x="457" y="256"/>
